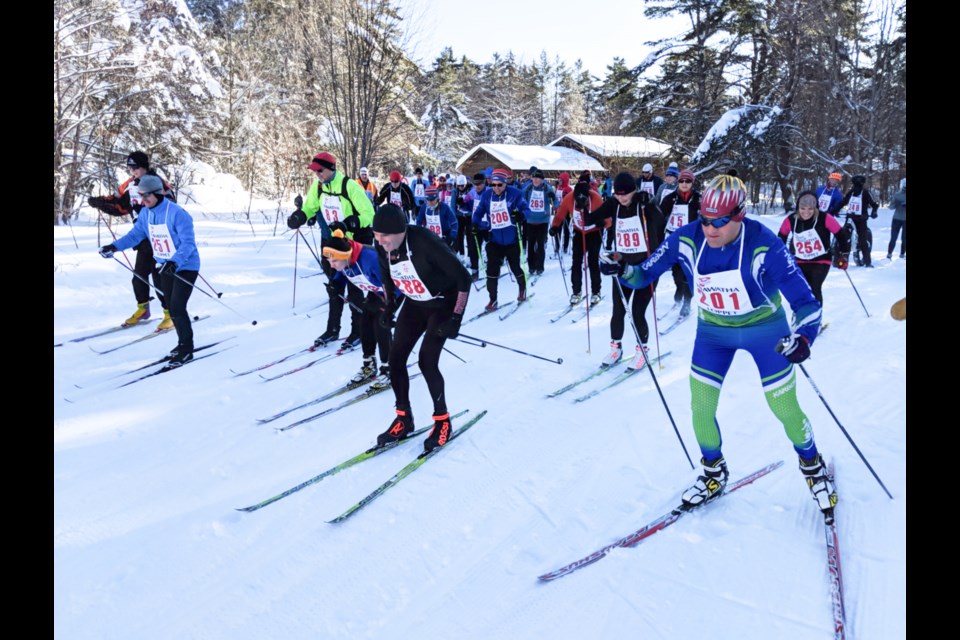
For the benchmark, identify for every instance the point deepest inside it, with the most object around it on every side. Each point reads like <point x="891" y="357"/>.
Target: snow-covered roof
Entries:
<point x="519" y="157"/>
<point x="617" y="146"/>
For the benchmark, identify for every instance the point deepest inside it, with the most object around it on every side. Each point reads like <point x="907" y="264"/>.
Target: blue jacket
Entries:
<point x="515" y="202"/>
<point x="367" y="264"/>
<point x="768" y="270"/>
<point x="550" y="201"/>
<point x="179" y="223"/>
<point x="448" y="221"/>
<point x="836" y="197"/>
<point x="413" y="189"/>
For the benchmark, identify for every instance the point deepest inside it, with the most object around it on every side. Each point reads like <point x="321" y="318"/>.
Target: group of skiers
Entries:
<point x="391" y="255"/>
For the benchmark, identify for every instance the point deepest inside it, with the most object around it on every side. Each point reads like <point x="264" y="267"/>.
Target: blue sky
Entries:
<point x="595" y="32"/>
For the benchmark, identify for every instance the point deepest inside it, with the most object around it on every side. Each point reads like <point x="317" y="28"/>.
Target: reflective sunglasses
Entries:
<point x="717" y="223"/>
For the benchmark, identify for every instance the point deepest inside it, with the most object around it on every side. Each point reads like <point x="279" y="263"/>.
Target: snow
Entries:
<point x="618" y="146"/>
<point x="519" y="157"/>
<point x="148" y="543"/>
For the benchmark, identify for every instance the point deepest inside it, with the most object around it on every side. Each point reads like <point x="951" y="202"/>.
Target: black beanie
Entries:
<point x="138" y="159"/>
<point x="389" y="219"/>
<point x="479" y="176"/>
<point x="624" y="183"/>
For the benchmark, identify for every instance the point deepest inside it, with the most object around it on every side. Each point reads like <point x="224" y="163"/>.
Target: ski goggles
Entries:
<point x="717" y="223"/>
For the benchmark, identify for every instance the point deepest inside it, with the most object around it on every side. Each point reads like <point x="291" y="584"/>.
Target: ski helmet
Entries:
<point x="724" y="196"/>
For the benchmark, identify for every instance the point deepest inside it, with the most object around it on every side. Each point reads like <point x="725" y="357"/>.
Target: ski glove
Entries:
<point x="842" y="263"/>
<point x="332" y="290"/>
<point x="311" y="221"/>
<point x="451" y="327"/>
<point x="554" y="231"/>
<point x="296" y="219"/>
<point x="168" y="267"/>
<point x="337" y="225"/>
<point x="386" y="316"/>
<point x="795" y="348"/>
<point x="298" y="201"/>
<point x="108" y="250"/>
<point x="352" y="223"/>
<point x="610" y="264"/>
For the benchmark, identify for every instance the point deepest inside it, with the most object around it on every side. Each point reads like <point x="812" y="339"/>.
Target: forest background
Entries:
<point x="785" y="91"/>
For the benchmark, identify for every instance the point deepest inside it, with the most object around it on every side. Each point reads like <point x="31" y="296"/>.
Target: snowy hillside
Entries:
<point x="148" y="543"/>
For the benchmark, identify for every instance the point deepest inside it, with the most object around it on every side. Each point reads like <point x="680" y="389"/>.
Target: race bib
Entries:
<point x="363" y="283"/>
<point x="331" y="209"/>
<point x="536" y="201"/>
<point x="808" y="244"/>
<point x="499" y="216"/>
<point x="629" y="237"/>
<point x="395" y="198"/>
<point x="433" y="223"/>
<point x="678" y="217"/>
<point x="408" y="281"/>
<point x="418" y="190"/>
<point x="823" y="202"/>
<point x="161" y="242"/>
<point x="855" y="206"/>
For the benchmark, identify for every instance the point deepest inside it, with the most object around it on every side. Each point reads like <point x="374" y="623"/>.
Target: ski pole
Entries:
<point x="220" y="294"/>
<point x="583" y="241"/>
<point x="857" y="292"/>
<point x="854" y="444"/>
<point x="455" y="355"/>
<point x="138" y="276"/>
<point x="563" y="274"/>
<point x="482" y="343"/>
<point x="196" y="288"/>
<point x="296" y="253"/>
<point x="623" y="299"/>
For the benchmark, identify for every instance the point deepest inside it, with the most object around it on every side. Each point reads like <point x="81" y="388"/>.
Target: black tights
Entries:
<point x="414" y="320"/>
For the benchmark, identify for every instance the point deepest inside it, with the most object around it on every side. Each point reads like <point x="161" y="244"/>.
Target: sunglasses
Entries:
<point x="685" y="181"/>
<point x="717" y="223"/>
<point x="496" y="185"/>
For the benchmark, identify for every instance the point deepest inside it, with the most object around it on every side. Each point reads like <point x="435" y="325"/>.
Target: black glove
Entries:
<point x="311" y="221"/>
<point x="451" y="242"/>
<point x="451" y="327"/>
<point x="873" y="214"/>
<point x="332" y="289"/>
<point x="352" y="223"/>
<point x="516" y="217"/>
<point x="298" y="202"/>
<point x="296" y="219"/>
<point x="610" y="264"/>
<point x="108" y="250"/>
<point x="373" y="303"/>
<point x="168" y="267"/>
<point x="644" y="197"/>
<point x="337" y="225"/>
<point x="795" y="348"/>
<point x="554" y="231"/>
<point x="94" y="201"/>
<point x="386" y="317"/>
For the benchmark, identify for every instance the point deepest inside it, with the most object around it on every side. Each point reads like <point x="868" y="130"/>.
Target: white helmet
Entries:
<point x="363" y="171"/>
<point x="461" y="181"/>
